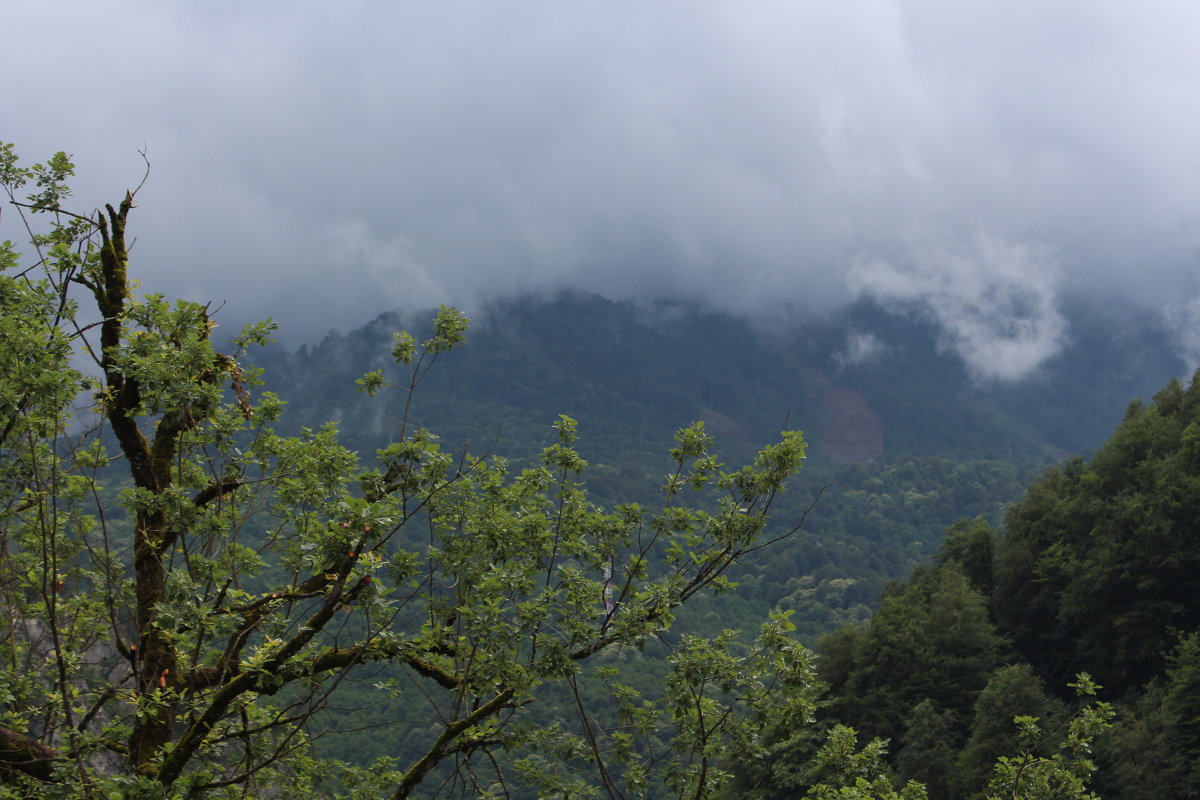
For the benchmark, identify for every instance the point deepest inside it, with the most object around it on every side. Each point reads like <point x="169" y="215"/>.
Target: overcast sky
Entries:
<point x="321" y="162"/>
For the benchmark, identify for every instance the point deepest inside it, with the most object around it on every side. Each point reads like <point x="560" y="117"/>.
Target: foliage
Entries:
<point x="628" y="375"/>
<point x="1182" y="704"/>
<point x="1100" y="563"/>
<point x="200" y="595"/>
<point x="1096" y="566"/>
<point x="1063" y="774"/>
<point x="851" y="774"/>
<point x="1137" y="761"/>
<point x="187" y="641"/>
<point x="930" y="640"/>
<point x="927" y="753"/>
<point x="1012" y="691"/>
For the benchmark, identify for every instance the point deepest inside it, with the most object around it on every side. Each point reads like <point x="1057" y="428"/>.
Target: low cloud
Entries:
<point x="343" y="160"/>
<point x="860" y="348"/>
<point x="994" y="302"/>
<point x="389" y="266"/>
<point x="1182" y="321"/>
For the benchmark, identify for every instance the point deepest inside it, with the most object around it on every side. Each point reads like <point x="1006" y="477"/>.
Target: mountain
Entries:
<point x="904" y="441"/>
<point x="867" y="384"/>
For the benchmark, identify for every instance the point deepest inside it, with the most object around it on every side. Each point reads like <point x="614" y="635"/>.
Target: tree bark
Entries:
<point x="22" y="755"/>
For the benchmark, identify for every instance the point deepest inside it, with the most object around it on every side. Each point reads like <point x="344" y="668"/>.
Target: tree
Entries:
<point x="185" y="590"/>
<point x="970" y="545"/>
<point x="846" y="773"/>
<point x="1011" y="691"/>
<point x="1099" y="563"/>
<point x="1182" y="706"/>
<point x="1063" y="773"/>
<point x="928" y="751"/>
<point x="1138" y="761"/>
<point x="930" y="639"/>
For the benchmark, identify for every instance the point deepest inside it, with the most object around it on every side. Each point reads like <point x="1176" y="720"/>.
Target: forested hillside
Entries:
<point x="1096" y="569"/>
<point x="864" y="375"/>
<point x="903" y="441"/>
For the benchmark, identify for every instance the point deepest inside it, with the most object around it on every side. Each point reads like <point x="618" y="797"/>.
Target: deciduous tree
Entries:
<point x="184" y="589"/>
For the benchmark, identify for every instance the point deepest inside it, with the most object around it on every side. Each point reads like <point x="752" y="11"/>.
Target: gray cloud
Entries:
<point x="324" y="162"/>
<point x="995" y="302"/>
<point x="1182" y="321"/>
<point x="860" y="348"/>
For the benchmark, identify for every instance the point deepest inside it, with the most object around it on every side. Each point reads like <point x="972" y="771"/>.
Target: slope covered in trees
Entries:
<point x="1094" y="569"/>
<point x="629" y="372"/>
<point x="926" y="444"/>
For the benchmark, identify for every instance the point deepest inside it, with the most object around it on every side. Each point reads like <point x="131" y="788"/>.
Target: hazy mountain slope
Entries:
<point x="631" y="375"/>
<point x="909" y="441"/>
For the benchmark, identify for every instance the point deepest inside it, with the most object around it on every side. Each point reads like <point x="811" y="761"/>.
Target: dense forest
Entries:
<point x="1095" y="569"/>
<point x="509" y="560"/>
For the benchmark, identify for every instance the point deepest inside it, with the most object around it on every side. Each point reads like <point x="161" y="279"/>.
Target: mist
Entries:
<point x="322" y="163"/>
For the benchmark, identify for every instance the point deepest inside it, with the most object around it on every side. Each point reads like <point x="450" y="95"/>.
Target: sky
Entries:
<point x="974" y="163"/>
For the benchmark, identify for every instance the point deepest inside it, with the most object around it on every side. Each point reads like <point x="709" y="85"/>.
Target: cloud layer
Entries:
<point x="993" y="301"/>
<point x="324" y="162"/>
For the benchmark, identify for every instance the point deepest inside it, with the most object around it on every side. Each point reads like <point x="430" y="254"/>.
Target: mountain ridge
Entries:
<point x="581" y="354"/>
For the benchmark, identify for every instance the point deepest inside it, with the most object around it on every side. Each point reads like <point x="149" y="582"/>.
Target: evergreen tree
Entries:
<point x="1137" y="760"/>
<point x="1181" y="703"/>
<point x="931" y="639"/>
<point x="1011" y="691"/>
<point x="927" y="753"/>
